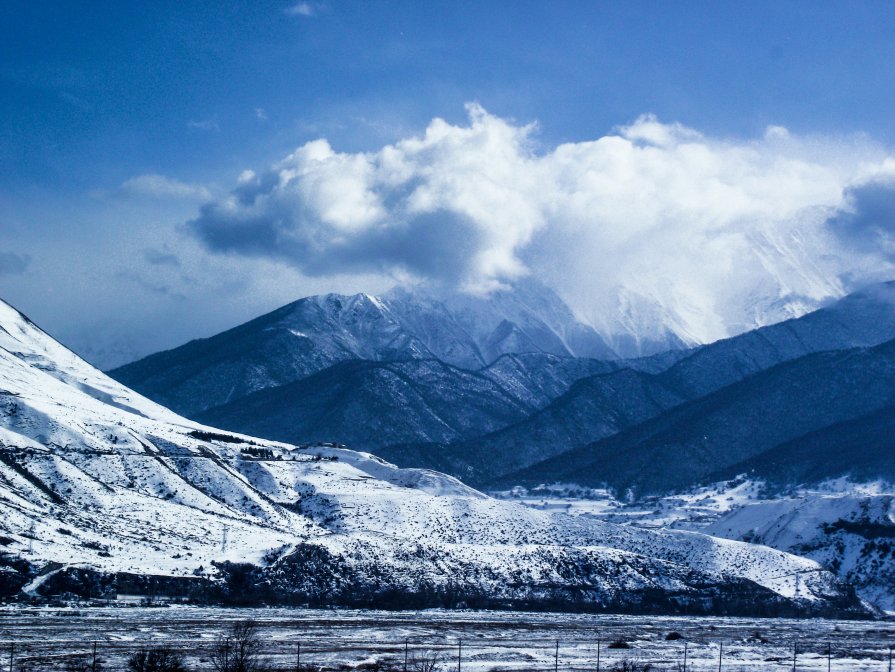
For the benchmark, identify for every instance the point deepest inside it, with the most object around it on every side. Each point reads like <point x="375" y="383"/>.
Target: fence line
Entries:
<point x="600" y="659"/>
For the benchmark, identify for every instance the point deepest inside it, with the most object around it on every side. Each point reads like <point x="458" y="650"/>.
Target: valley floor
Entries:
<point x="349" y="640"/>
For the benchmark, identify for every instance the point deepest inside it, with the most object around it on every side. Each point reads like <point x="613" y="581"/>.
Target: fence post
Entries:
<point x="556" y="658"/>
<point x="93" y="666"/>
<point x="298" y="657"/>
<point x="12" y="648"/>
<point x="459" y="653"/>
<point x="829" y="656"/>
<point x="720" y="654"/>
<point x="795" y="653"/>
<point x="598" y="654"/>
<point x="405" y="655"/>
<point x="685" y="655"/>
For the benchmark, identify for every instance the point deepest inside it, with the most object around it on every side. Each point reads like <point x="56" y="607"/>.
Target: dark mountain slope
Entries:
<point x="371" y="404"/>
<point x="862" y="448"/>
<point x="687" y="444"/>
<point x="595" y="408"/>
<point x="862" y="319"/>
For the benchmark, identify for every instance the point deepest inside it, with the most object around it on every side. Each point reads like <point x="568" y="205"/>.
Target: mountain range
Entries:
<point x="495" y="422"/>
<point x="793" y="405"/>
<point x="317" y="332"/>
<point x="105" y="491"/>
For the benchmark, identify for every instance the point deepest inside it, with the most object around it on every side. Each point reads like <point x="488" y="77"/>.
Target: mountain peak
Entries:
<point x="316" y="332"/>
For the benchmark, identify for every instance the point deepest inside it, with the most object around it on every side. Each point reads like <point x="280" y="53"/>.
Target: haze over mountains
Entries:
<point x="104" y="490"/>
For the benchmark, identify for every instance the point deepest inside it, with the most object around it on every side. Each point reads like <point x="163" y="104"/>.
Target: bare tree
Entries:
<point x="425" y="662"/>
<point x="82" y="663"/>
<point x="238" y="649"/>
<point x="161" y="659"/>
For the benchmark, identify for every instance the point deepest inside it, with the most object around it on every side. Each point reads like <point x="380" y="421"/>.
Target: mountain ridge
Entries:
<point x="109" y="487"/>
<point x="313" y="333"/>
<point x="733" y="424"/>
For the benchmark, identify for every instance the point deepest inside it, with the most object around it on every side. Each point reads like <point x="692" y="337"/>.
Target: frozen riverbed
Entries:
<point x="490" y="640"/>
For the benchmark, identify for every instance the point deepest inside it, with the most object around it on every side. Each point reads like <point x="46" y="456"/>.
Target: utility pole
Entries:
<point x="556" y="658"/>
<point x="685" y="656"/>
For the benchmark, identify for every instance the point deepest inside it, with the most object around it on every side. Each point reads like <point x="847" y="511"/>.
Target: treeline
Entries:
<point x="310" y="576"/>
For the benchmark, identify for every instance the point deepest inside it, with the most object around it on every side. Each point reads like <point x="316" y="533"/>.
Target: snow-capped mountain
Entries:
<point x="314" y="333"/>
<point x="610" y="401"/>
<point x="100" y="485"/>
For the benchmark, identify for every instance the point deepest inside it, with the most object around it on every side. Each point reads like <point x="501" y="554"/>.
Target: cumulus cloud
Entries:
<point x="13" y="264"/>
<point x="653" y="222"/>
<point x="159" y="186"/>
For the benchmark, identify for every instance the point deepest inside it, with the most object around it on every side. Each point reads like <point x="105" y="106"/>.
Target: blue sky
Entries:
<point x="117" y="122"/>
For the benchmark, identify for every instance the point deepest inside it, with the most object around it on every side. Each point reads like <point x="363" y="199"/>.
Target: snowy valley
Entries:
<point x="789" y="408"/>
<point x="104" y="489"/>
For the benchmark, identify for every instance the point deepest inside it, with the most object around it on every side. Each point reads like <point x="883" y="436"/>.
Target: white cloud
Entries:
<point x="159" y="186"/>
<point x="300" y="9"/>
<point x="209" y="124"/>
<point x="653" y="220"/>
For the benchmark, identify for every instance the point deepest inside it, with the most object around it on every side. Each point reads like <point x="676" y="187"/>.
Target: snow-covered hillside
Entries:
<point x="94" y="476"/>
<point x="846" y="526"/>
<point x="849" y="529"/>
